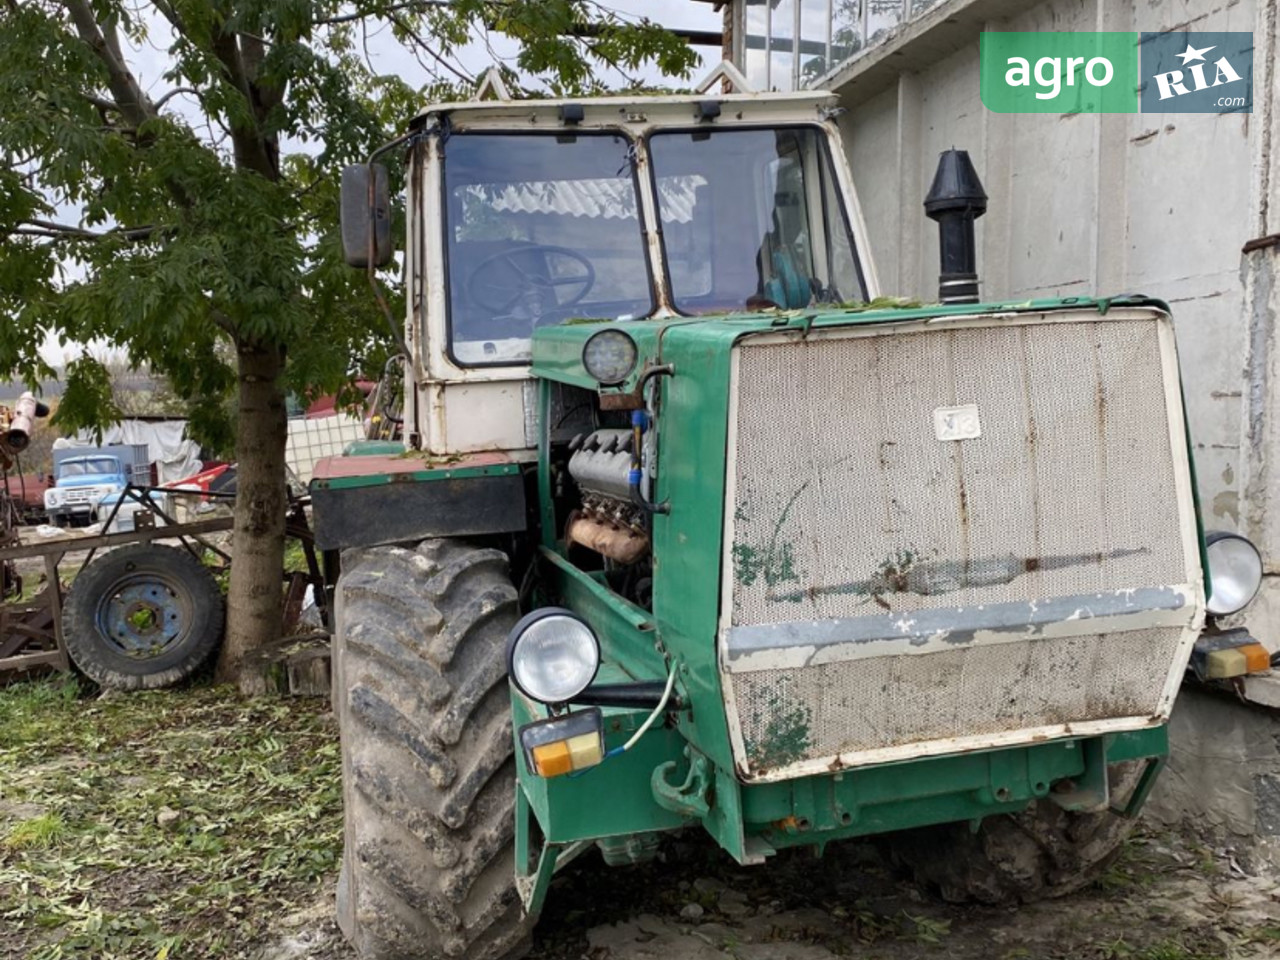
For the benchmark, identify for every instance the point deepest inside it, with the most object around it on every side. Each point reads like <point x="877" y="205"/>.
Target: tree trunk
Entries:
<point x="254" y="602"/>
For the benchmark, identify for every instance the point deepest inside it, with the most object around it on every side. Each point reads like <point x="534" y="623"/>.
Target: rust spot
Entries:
<point x="886" y="449"/>
<point x="1031" y="564"/>
<point x="621" y="401"/>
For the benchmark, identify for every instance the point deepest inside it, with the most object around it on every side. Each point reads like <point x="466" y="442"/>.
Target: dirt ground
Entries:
<point x="1170" y="897"/>
<point x="191" y="824"/>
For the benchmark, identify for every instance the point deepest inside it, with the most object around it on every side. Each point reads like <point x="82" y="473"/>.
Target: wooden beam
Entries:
<point x="54" y="590"/>
<point x="69" y="544"/>
<point x="50" y="658"/>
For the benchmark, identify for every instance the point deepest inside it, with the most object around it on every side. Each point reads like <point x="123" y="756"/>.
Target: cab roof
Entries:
<point x="492" y="102"/>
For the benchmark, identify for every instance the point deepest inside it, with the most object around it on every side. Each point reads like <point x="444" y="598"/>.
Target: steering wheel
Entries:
<point x="499" y="282"/>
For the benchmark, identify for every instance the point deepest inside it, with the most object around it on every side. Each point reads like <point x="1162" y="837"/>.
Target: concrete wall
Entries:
<point x="1090" y="204"/>
<point x="1223" y="773"/>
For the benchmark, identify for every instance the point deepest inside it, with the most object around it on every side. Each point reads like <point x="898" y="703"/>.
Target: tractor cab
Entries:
<point x="524" y="214"/>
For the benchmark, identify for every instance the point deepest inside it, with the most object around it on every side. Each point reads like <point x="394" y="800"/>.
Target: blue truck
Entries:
<point x="83" y="476"/>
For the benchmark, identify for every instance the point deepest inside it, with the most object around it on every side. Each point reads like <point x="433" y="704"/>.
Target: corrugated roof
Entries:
<point x="608" y="199"/>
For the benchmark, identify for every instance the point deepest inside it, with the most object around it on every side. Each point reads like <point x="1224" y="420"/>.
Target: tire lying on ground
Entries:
<point x="427" y="759"/>
<point x="142" y="616"/>
<point x="1041" y="853"/>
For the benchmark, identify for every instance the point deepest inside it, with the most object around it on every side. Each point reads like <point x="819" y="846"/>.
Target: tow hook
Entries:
<point x="689" y="799"/>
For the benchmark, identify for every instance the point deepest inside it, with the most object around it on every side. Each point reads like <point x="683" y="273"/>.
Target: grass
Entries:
<point x="88" y="868"/>
<point x="39" y="833"/>
<point x="295" y="557"/>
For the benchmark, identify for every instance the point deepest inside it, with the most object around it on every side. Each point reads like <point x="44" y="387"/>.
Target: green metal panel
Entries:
<point x="611" y="799"/>
<point x="557" y="350"/>
<point x="917" y="793"/>
<point x="749" y="821"/>
<point x="373" y="448"/>
<point x="626" y="631"/>
<point x="1152" y="742"/>
<point x="688" y="543"/>
<point x="546" y="509"/>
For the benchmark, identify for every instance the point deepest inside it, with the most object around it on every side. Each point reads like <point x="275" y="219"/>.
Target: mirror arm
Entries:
<point x="397" y="335"/>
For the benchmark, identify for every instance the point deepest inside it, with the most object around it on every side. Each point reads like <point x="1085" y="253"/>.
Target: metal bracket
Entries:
<point x="725" y="71"/>
<point x="1122" y="300"/>
<point x="691" y="798"/>
<point x="532" y="885"/>
<point x="1142" y="789"/>
<point x="493" y="86"/>
<point x="1091" y="791"/>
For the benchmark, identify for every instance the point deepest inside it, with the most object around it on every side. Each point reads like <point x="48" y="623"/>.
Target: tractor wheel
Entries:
<point x="142" y="617"/>
<point x="428" y="868"/>
<point x="1041" y="853"/>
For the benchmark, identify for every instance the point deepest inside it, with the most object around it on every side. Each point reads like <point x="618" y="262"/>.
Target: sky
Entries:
<point x="149" y="62"/>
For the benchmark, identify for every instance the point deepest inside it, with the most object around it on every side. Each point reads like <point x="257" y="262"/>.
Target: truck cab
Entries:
<point x="84" y="476"/>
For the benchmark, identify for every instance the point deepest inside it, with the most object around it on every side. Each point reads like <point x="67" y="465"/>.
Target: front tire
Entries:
<point x="428" y="867"/>
<point x="1039" y="854"/>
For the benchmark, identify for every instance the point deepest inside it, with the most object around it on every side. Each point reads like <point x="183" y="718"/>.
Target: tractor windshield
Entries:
<point x="541" y="228"/>
<point x="752" y="218"/>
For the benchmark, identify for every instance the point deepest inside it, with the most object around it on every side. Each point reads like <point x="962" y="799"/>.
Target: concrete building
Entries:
<point x="1185" y="207"/>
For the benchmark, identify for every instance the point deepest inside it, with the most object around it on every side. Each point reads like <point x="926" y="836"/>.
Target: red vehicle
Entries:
<point x="26" y="490"/>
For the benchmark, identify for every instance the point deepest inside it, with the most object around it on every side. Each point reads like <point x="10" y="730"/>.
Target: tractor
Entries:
<point x="685" y="526"/>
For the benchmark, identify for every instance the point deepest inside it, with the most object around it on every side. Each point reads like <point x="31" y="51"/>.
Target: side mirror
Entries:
<point x="359" y="221"/>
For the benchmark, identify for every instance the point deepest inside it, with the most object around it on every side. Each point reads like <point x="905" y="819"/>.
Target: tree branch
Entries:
<point x="49" y="228"/>
<point x="422" y="45"/>
<point x="250" y="146"/>
<point x="126" y="92"/>
<point x="225" y="323"/>
<point x="173" y="93"/>
<point x="64" y="229"/>
<point x="33" y="232"/>
<point x="102" y="103"/>
<point x="384" y="11"/>
<point x="169" y="13"/>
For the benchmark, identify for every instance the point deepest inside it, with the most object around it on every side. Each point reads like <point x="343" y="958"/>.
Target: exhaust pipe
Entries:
<point x="24" y="411"/>
<point x="955" y="200"/>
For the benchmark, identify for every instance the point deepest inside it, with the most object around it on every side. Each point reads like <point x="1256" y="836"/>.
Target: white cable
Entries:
<point x="657" y="712"/>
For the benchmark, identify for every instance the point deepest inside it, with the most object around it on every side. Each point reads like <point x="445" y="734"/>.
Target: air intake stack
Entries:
<point x="955" y="200"/>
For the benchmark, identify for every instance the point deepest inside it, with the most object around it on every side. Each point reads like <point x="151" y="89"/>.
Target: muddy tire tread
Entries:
<point x="428" y="768"/>
<point x="1043" y="853"/>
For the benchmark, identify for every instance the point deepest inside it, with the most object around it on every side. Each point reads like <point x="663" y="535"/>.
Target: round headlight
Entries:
<point x="1235" y="572"/>
<point x="552" y="655"/>
<point x="610" y="356"/>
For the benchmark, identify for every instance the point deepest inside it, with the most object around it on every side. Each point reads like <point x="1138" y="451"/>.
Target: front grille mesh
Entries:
<point x="848" y="505"/>
<point x="840" y="475"/>
<point x="884" y="702"/>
